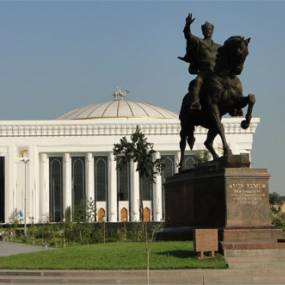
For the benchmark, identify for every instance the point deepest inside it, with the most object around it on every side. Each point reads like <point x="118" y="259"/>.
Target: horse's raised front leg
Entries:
<point x="251" y="101"/>
<point x="209" y="143"/>
<point x="220" y="129"/>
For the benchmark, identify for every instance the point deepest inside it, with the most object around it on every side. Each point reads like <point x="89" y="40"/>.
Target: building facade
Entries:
<point x="49" y="166"/>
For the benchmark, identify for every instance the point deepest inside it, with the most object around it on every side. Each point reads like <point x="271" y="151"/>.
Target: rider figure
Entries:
<point x="201" y="54"/>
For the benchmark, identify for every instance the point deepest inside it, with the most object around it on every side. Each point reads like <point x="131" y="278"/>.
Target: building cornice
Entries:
<point x="62" y="128"/>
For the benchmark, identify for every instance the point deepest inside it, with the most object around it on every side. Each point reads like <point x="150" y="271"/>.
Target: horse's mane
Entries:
<point x="228" y="44"/>
<point x="233" y="39"/>
<point x="225" y="49"/>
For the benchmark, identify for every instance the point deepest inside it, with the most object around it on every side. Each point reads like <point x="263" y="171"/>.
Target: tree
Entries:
<point x="140" y="151"/>
<point x="275" y="202"/>
<point x="274" y="199"/>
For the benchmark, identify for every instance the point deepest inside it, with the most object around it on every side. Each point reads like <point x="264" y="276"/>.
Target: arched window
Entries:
<point x="123" y="177"/>
<point x="78" y="189"/>
<point x="146" y="214"/>
<point x="168" y="165"/>
<point x="167" y="170"/>
<point x="189" y="161"/>
<point x="55" y="189"/>
<point x="123" y="215"/>
<point x="101" y="215"/>
<point x="101" y="178"/>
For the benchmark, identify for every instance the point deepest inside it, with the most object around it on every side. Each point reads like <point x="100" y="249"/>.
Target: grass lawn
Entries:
<point x="117" y="255"/>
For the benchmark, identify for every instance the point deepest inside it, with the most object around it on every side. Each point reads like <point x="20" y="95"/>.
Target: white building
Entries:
<point x="47" y="166"/>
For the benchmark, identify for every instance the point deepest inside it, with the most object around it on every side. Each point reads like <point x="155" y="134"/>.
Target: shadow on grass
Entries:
<point x="178" y="253"/>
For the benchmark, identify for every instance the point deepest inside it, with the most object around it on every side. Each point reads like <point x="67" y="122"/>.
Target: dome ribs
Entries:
<point x="94" y="109"/>
<point x="133" y="114"/>
<point x="119" y="108"/>
<point x="105" y="110"/>
<point x="156" y="110"/>
<point x="139" y="104"/>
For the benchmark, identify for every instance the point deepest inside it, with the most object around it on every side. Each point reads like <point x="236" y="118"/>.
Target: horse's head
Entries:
<point x="231" y="56"/>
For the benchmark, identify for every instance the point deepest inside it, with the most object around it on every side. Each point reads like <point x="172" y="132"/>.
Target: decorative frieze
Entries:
<point x="84" y="128"/>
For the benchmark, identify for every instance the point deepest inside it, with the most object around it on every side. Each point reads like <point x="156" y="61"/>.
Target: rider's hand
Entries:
<point x="189" y="20"/>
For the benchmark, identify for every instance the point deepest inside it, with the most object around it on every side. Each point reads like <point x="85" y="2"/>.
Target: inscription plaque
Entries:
<point x="247" y="193"/>
<point x="247" y="199"/>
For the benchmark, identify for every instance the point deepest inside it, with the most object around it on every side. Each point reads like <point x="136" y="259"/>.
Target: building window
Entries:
<point x="167" y="170"/>
<point x="101" y="178"/>
<point x="78" y="188"/>
<point x="189" y="161"/>
<point x="123" y="176"/>
<point x="146" y="188"/>
<point x="55" y="189"/>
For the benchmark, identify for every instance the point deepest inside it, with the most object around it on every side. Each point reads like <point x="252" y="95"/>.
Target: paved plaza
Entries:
<point x="11" y="248"/>
<point x="138" y="277"/>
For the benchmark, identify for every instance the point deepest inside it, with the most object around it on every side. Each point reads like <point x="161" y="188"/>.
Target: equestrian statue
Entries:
<point x="216" y="90"/>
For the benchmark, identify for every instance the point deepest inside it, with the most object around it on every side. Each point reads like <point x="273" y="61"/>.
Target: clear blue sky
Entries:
<point x="58" y="55"/>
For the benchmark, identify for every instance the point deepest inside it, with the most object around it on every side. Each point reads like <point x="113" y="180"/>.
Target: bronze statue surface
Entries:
<point x="201" y="55"/>
<point x="216" y="90"/>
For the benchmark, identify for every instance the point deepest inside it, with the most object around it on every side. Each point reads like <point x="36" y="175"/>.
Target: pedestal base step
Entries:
<point x="254" y="254"/>
<point x="252" y="245"/>
<point x="262" y="235"/>
<point x="255" y="258"/>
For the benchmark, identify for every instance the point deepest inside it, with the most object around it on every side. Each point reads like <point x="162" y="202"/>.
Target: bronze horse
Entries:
<point x="221" y="93"/>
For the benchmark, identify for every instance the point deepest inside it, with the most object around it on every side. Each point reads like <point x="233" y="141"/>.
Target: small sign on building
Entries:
<point x="206" y="240"/>
<point x="23" y="152"/>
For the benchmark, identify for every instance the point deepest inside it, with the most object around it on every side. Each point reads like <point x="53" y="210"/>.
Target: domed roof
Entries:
<point x="119" y="107"/>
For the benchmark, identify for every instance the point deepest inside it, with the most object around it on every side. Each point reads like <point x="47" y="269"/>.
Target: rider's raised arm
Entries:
<point x="187" y="30"/>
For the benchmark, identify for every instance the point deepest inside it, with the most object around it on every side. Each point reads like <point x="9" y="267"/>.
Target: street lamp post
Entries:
<point x="25" y="160"/>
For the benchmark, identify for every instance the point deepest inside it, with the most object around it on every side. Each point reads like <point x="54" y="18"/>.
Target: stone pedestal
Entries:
<point x="218" y="197"/>
<point x="227" y="197"/>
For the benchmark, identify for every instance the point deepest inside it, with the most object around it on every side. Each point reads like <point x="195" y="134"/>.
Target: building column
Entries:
<point x="112" y="189"/>
<point x="135" y="192"/>
<point x="89" y="176"/>
<point x="44" y="193"/>
<point x="67" y="182"/>
<point x="157" y="194"/>
<point x="176" y="161"/>
<point x="10" y="183"/>
<point x="33" y="178"/>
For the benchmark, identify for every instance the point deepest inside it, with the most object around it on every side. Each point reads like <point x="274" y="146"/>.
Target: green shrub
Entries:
<point x="278" y="220"/>
<point x="122" y="232"/>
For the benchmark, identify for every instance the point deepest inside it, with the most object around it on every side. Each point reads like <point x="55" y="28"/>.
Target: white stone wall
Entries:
<point x="88" y="138"/>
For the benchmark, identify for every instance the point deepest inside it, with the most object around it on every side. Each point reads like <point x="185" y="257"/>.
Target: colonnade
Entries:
<point x="112" y="205"/>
